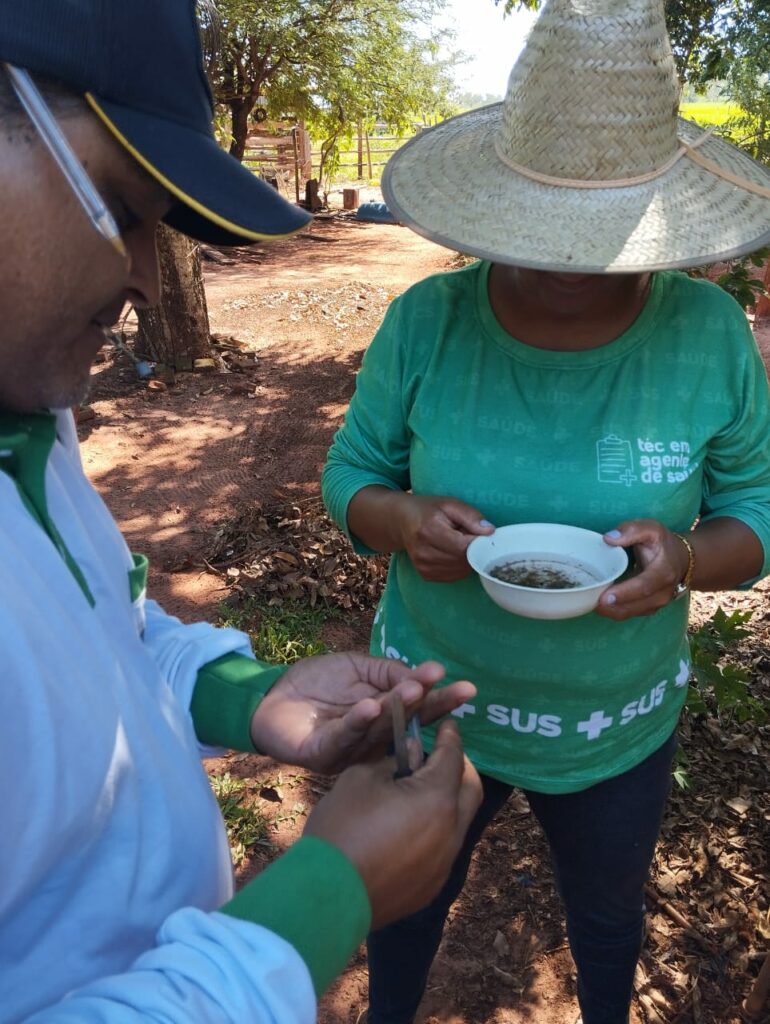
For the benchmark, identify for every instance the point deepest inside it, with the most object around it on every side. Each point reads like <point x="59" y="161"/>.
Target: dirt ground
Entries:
<point x="173" y="464"/>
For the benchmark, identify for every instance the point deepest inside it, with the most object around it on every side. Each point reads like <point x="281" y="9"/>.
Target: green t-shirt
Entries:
<point x="669" y="421"/>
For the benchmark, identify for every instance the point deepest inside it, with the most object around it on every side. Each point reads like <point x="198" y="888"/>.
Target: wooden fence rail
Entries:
<point x="359" y="165"/>
<point x="288" y="160"/>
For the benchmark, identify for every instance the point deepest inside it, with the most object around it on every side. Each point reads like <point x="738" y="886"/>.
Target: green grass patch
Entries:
<point x="710" y="112"/>
<point x="731" y="121"/>
<point x="284" y="633"/>
<point x="245" y="825"/>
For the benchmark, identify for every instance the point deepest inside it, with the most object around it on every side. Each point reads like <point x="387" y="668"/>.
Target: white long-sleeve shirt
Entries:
<point x="113" y="854"/>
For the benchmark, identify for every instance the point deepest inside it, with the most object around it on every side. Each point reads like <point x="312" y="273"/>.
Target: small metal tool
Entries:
<point x="400" y="747"/>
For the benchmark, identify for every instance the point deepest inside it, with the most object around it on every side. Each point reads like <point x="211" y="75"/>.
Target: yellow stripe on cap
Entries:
<point x="215" y="218"/>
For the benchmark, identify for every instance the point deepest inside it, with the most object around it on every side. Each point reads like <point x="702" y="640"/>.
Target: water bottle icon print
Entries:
<point x="615" y="461"/>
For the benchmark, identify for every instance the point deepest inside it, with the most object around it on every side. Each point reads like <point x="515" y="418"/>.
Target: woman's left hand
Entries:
<point x="662" y="560"/>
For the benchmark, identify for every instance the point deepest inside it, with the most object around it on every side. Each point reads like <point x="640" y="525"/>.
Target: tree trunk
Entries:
<point x="239" y="113"/>
<point x="176" y="332"/>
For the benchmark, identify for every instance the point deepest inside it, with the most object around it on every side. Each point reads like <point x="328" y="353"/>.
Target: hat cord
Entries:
<point x="686" y="149"/>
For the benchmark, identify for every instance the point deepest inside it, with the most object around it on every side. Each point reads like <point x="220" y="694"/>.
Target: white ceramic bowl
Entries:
<point x="582" y="553"/>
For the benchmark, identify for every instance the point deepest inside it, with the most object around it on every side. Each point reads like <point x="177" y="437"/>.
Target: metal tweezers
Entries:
<point x="400" y="730"/>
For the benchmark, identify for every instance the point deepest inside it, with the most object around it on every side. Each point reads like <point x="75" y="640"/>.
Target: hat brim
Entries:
<point x="219" y="200"/>
<point x="449" y="185"/>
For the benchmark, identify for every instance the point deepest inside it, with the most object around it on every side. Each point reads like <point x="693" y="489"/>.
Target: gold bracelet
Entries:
<point x="684" y="585"/>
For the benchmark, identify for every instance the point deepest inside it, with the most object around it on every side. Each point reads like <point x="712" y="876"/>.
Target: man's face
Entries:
<point x="60" y="281"/>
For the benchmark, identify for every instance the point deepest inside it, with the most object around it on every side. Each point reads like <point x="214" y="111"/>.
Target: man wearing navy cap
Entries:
<point x="116" y="897"/>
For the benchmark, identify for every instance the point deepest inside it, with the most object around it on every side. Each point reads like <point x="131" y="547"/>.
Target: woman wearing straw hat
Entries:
<point x="571" y="376"/>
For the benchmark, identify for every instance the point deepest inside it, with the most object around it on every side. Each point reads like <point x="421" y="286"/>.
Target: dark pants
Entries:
<point x="602" y="840"/>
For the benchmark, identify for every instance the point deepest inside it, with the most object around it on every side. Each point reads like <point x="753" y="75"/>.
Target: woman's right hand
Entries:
<point x="436" y="532"/>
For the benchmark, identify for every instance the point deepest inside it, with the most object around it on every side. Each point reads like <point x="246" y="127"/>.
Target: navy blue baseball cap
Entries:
<point x="139" y="65"/>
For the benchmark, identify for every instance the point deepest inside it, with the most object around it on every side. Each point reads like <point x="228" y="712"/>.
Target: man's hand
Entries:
<point x="402" y="835"/>
<point x="328" y="712"/>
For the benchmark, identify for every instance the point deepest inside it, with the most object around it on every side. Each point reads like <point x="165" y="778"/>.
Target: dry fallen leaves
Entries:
<point x="294" y="552"/>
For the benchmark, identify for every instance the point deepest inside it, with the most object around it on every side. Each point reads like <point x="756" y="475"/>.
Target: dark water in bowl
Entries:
<point x="545" y="572"/>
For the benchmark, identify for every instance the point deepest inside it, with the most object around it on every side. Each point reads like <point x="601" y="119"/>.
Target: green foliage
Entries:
<point x="726" y="41"/>
<point x="719" y="686"/>
<point x="245" y="825"/>
<point x="707" y="36"/>
<point x="739" y="278"/>
<point x="329" y="63"/>
<point x="681" y="773"/>
<point x="281" y="634"/>
<point x="739" y="281"/>
<point x="718" y="681"/>
<point x="512" y="5"/>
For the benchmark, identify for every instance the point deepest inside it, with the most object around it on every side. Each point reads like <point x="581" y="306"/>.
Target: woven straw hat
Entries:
<point x="585" y="166"/>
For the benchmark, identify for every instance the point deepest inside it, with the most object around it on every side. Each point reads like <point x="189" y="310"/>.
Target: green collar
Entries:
<point x="17" y="429"/>
<point x="26" y="442"/>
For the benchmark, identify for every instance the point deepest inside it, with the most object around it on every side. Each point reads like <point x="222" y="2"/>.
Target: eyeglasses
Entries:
<point x="51" y="134"/>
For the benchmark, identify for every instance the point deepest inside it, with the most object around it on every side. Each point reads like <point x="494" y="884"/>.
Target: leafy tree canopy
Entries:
<point x="707" y="36"/>
<point x="331" y="63"/>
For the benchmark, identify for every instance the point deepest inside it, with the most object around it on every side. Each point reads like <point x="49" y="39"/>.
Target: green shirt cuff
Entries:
<point x="226" y="695"/>
<point x="313" y="898"/>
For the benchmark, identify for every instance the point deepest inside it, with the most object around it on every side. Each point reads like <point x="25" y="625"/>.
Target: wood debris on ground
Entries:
<point x="350" y="303"/>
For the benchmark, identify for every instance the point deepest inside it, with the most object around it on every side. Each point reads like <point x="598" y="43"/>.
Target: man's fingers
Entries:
<point x="471" y="794"/>
<point x="396" y="673"/>
<point x="446" y="761"/>
<point x="441" y="702"/>
<point x="449" y="764"/>
<point x="415" y="753"/>
<point x="428" y="672"/>
<point x="362" y="714"/>
<point x="360" y="723"/>
<point x="410" y="683"/>
<point x="387" y="673"/>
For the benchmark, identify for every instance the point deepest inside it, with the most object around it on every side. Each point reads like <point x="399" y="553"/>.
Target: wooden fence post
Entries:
<point x="312" y="202"/>
<point x="294" y="133"/>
